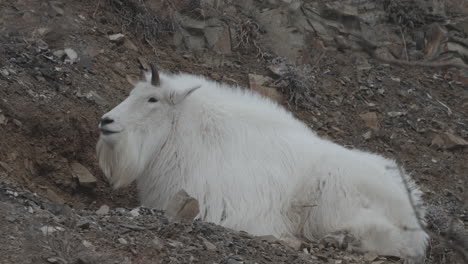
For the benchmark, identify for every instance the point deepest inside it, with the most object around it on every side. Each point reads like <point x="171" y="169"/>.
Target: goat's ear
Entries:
<point x="177" y="97"/>
<point x="134" y="80"/>
<point x="154" y="75"/>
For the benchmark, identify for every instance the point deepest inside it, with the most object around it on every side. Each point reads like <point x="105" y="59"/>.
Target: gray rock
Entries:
<point x="117" y="38"/>
<point x="72" y="56"/>
<point x="56" y="6"/>
<point x="59" y="53"/>
<point x="135" y="212"/>
<point x="258" y="83"/>
<point x="82" y="174"/>
<point x="219" y="39"/>
<point x="10" y="219"/>
<point x="182" y="207"/>
<point x="5" y="166"/>
<point x="209" y="246"/>
<point x="88" y="244"/>
<point x="190" y="24"/>
<point x="158" y="243"/>
<point x="48" y="230"/>
<point x="130" y="45"/>
<point x="122" y="241"/>
<point x="4" y="72"/>
<point x="56" y="260"/>
<point x="284" y="39"/>
<point x="83" y="224"/>
<point x="103" y="210"/>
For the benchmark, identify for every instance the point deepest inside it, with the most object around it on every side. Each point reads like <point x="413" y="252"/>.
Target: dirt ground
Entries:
<point x="50" y="106"/>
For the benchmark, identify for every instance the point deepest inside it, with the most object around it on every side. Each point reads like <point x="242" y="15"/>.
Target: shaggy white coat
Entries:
<point x="254" y="167"/>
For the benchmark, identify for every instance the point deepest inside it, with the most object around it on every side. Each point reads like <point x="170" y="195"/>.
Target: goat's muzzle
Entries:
<point x="103" y="126"/>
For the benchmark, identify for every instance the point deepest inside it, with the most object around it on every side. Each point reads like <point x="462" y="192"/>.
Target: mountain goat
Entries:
<point x="254" y="167"/>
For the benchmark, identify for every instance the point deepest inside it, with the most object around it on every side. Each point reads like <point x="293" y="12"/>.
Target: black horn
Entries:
<point x="154" y="75"/>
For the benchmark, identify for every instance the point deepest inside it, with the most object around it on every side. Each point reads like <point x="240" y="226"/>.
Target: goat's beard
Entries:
<point x="121" y="160"/>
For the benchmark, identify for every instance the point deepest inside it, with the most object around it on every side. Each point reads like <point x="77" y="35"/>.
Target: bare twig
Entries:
<point x="247" y="35"/>
<point x="449" y="111"/>
<point x="404" y="44"/>
<point x="318" y="60"/>
<point x="96" y="9"/>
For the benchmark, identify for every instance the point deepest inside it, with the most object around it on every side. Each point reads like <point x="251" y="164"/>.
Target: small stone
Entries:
<point x="93" y="51"/>
<point x="294" y="244"/>
<point x="367" y="135"/>
<point x="370" y="256"/>
<point x="454" y="141"/>
<point x="144" y="64"/>
<point x="17" y="123"/>
<point x="175" y="244"/>
<point x="82" y="174"/>
<point x="2" y="119"/>
<point x="51" y="195"/>
<point x="158" y="243"/>
<point x="103" y="210"/>
<point x="5" y="72"/>
<point x="130" y="45"/>
<point x="135" y="212"/>
<point x="182" y="207"/>
<point x="59" y="53"/>
<point x="219" y="39"/>
<point x="437" y="141"/>
<point x="122" y="241"/>
<point x="83" y="224"/>
<point x="120" y="210"/>
<point x="10" y="219"/>
<point x="47" y="230"/>
<point x="234" y="261"/>
<point x="95" y="98"/>
<point x="72" y="56"/>
<point x="209" y="246"/>
<point x="87" y="244"/>
<point x="396" y="114"/>
<point x="53" y="260"/>
<point x="257" y="83"/>
<point x="269" y="238"/>
<point x="448" y="141"/>
<point x="120" y="68"/>
<point x="5" y="166"/>
<point x="55" y="6"/>
<point x="119" y="37"/>
<point x="370" y="119"/>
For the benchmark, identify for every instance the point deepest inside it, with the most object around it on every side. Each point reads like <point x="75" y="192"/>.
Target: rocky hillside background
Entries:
<point x="389" y="76"/>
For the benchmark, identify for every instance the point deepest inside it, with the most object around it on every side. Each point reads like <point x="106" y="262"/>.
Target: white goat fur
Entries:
<point x="254" y="167"/>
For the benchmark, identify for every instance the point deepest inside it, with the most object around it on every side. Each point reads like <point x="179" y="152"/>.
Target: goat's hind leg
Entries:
<point x="374" y="232"/>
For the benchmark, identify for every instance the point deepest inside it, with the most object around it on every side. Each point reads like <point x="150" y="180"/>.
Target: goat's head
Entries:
<point x="135" y="129"/>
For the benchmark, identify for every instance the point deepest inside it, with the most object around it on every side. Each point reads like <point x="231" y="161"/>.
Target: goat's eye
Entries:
<point x="152" y="100"/>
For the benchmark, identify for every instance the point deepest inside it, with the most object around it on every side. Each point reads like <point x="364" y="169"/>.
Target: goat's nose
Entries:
<point x="106" y="121"/>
